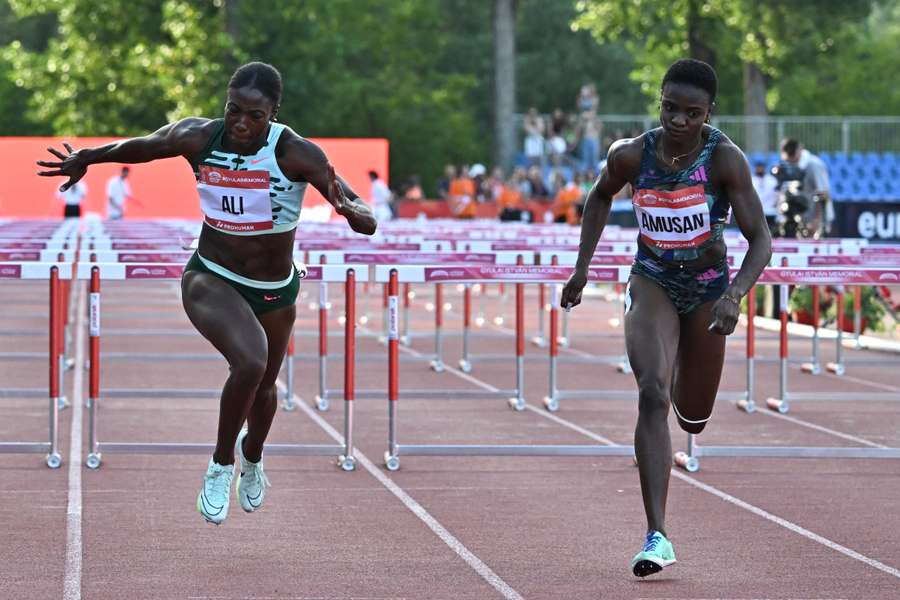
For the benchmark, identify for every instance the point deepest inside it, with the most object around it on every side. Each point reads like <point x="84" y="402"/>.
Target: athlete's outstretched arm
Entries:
<point x="613" y="177"/>
<point x="735" y="176"/>
<point x="304" y="160"/>
<point x="182" y="138"/>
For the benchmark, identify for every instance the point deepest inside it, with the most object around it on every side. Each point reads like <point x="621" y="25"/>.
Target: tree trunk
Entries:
<point x="232" y="18"/>
<point x="755" y="108"/>
<point x="696" y="46"/>
<point x="504" y="82"/>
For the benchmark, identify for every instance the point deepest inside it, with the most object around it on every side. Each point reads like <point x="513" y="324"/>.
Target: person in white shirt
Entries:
<point x="72" y="198"/>
<point x="117" y="192"/>
<point x="381" y="198"/>
<point x="765" y="185"/>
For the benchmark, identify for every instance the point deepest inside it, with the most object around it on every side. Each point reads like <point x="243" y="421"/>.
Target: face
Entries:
<point x="247" y="115"/>
<point x="683" y="109"/>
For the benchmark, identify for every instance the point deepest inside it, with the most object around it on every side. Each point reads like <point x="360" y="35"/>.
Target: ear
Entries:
<point x="275" y="112"/>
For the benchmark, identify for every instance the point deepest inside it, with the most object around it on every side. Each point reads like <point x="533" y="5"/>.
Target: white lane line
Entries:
<point x="795" y="420"/>
<point x="846" y="436"/>
<point x="708" y="488"/>
<point x="874" y="384"/>
<point x="417" y="509"/>
<point x="72" y="580"/>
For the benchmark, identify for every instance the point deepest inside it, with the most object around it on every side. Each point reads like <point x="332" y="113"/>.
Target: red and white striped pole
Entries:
<point x="53" y="458"/>
<point x="464" y="364"/>
<point x="390" y="457"/>
<point x="437" y="365"/>
<point x="518" y="403"/>
<point x="748" y="404"/>
<point x="347" y="461"/>
<point x="322" y="397"/>
<point x="93" y="460"/>
<point x="780" y="404"/>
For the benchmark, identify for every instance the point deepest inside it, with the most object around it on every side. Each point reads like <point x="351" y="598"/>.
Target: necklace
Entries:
<point x="677" y="158"/>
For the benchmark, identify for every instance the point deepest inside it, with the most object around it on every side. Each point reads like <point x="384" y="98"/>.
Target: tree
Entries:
<point x="505" y="81"/>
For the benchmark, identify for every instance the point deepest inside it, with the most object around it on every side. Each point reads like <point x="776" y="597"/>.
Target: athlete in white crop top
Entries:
<point x="239" y="289"/>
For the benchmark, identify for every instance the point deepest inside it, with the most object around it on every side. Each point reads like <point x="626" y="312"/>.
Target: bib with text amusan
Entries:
<point x="672" y="219"/>
<point x="235" y="200"/>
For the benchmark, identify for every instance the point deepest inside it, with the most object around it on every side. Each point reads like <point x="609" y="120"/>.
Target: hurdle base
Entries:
<point x="836" y="368"/>
<point x="812" y="368"/>
<point x="539" y="341"/>
<point x="686" y="462"/>
<point x="779" y="405"/>
<point x="517" y="404"/>
<point x="437" y="366"/>
<point x="624" y="367"/>
<point x="551" y="403"/>
<point x="347" y="463"/>
<point x="748" y="406"/>
<point x="54" y="460"/>
<point x="465" y="366"/>
<point x="391" y="461"/>
<point x="321" y="403"/>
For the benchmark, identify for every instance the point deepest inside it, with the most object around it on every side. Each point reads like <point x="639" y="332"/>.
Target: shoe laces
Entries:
<point x="653" y="539"/>
<point x="218" y="481"/>
<point x="256" y="473"/>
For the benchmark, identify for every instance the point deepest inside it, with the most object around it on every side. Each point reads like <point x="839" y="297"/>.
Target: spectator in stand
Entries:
<point x="461" y="196"/>
<point x="587" y="99"/>
<point x="382" y="198"/>
<point x="589" y="130"/>
<point x="493" y="185"/>
<point x="816" y="184"/>
<point x="413" y="189"/>
<point x="565" y="204"/>
<point x="520" y="180"/>
<point x="535" y="130"/>
<point x="477" y="172"/>
<point x="71" y="199"/>
<point x="538" y="189"/>
<point x="557" y="144"/>
<point x="511" y="204"/>
<point x="443" y="185"/>
<point x="765" y="185"/>
<point x="118" y="192"/>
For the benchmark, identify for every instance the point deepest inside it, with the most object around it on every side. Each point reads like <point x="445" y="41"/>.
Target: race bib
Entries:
<point x="235" y="200"/>
<point x="672" y="219"/>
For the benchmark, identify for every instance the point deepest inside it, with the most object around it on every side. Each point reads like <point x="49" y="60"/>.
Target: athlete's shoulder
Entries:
<point x="191" y="134"/>
<point x="727" y="153"/>
<point x="624" y="156"/>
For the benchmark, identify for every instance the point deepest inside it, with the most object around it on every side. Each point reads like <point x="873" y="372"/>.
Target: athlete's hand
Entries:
<point x="336" y="196"/>
<point x="725" y="315"/>
<point x="571" y="292"/>
<point x="70" y="165"/>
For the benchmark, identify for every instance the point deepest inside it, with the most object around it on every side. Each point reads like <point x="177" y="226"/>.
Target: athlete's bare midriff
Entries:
<point x="260" y="257"/>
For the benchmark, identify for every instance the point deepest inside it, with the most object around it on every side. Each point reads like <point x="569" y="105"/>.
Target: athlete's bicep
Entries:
<point x="739" y="189"/>
<point x="304" y="160"/>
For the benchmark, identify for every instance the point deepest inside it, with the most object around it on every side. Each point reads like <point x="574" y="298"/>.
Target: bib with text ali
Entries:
<point x="235" y="200"/>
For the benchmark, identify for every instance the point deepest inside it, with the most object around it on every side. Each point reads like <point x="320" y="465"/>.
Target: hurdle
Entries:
<point x="55" y="273"/>
<point x="519" y="276"/>
<point x="821" y="276"/>
<point x="94" y="272"/>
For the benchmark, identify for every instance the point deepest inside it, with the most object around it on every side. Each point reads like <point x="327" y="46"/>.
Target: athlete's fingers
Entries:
<point x="56" y="153"/>
<point x="68" y="147"/>
<point x="51" y="164"/>
<point x="50" y="173"/>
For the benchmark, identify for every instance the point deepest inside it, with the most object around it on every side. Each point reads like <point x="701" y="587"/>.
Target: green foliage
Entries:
<point x="801" y="300"/>
<point x="778" y="37"/>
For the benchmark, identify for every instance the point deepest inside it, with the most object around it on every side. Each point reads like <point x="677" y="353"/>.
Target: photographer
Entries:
<point x="804" y="199"/>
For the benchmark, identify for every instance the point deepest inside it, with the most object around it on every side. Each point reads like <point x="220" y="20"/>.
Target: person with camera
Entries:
<point x="804" y="189"/>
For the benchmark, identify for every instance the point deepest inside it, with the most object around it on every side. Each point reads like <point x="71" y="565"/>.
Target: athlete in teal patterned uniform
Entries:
<point x="239" y="288"/>
<point x="679" y="302"/>
<point x="687" y="288"/>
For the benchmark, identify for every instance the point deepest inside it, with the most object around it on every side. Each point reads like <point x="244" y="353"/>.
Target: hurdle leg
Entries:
<point x="551" y="401"/>
<point x="857" y="314"/>
<point x="94" y="457"/>
<point x="814" y="368"/>
<point x="347" y="461"/>
<point x="437" y="365"/>
<point x="564" y="338"/>
<point x="465" y="365"/>
<point x="391" y="458"/>
<point x="322" y="397"/>
<point x="288" y="403"/>
<point x="539" y="340"/>
<point x="518" y="402"/>
<point x="54" y="459"/>
<point x="780" y="404"/>
<point x="748" y="404"/>
<point x="407" y="297"/>
<point x="837" y="367"/>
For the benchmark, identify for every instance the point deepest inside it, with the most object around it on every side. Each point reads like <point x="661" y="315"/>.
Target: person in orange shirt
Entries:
<point x="565" y="204"/>
<point x="510" y="204"/>
<point x="461" y="196"/>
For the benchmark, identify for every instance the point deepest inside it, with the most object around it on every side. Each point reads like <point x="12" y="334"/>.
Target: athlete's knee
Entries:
<point x="694" y="428"/>
<point x="249" y="370"/>
<point x="653" y="399"/>
<point x="690" y="422"/>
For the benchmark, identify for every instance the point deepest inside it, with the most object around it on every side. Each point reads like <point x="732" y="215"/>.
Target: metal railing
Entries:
<point x="762" y="134"/>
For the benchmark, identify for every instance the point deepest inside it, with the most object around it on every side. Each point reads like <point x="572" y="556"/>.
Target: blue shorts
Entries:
<point x="687" y="288"/>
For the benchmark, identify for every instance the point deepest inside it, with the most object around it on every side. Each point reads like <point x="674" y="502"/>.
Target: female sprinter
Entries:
<point x="240" y="286"/>
<point x="687" y="179"/>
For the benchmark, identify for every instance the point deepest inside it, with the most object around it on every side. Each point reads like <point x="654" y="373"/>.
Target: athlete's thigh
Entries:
<point x="222" y="316"/>
<point x="278" y="325"/>
<point x="651" y="332"/>
<point x="701" y="355"/>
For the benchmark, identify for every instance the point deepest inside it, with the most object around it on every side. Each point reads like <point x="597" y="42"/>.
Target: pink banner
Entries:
<point x="20" y="256"/>
<point x="874" y="260"/>
<point x="429" y="258"/>
<point x="144" y="245"/>
<point x="515" y="273"/>
<point x="153" y="271"/>
<point x="14" y="245"/>
<point x="353" y="245"/>
<point x="10" y="271"/>
<point x="313" y="273"/>
<point x="818" y="276"/>
<point x="881" y="250"/>
<point x="160" y="257"/>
